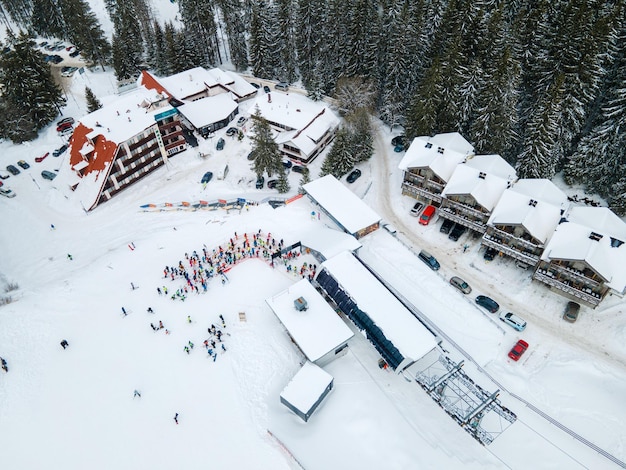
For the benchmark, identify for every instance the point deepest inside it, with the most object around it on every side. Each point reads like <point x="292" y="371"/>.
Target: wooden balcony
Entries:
<point x="496" y="233"/>
<point x="509" y="250"/>
<point x="474" y="225"/>
<point x="422" y="192"/>
<point x="585" y="295"/>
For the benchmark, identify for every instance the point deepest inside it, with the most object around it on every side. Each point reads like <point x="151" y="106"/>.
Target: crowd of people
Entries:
<point x="199" y="268"/>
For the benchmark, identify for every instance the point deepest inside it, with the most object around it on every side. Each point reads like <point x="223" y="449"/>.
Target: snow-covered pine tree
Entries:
<point x="425" y="103"/>
<point x="233" y="18"/>
<point x="93" y="104"/>
<point x="268" y="158"/>
<point x="85" y="32"/>
<point x="19" y="11"/>
<point x="30" y="98"/>
<point x="310" y="27"/>
<point x="283" y="182"/>
<point x="264" y="58"/>
<point x="362" y="40"/>
<point x="199" y="19"/>
<point x="47" y="19"/>
<point x="128" y="48"/>
<point x="286" y="47"/>
<point x="306" y="178"/>
<point x="340" y="159"/>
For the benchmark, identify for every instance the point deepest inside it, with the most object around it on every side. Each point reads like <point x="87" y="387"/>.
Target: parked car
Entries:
<point x="220" y="144"/>
<point x="399" y="148"/>
<point x="231" y="131"/>
<point x="488" y="303"/>
<point x="397" y="140"/>
<point x="520" y="348"/>
<point x="64" y="126"/>
<point x="513" y="321"/>
<point x="416" y="209"/>
<point x="13" y="170"/>
<point x="255" y="85"/>
<point x="260" y="181"/>
<point x="490" y="254"/>
<point x="446" y="226"/>
<point x="241" y="121"/>
<point x="287" y="164"/>
<point x="298" y="169"/>
<point x="23" y="164"/>
<point x="252" y="155"/>
<point x="353" y="176"/>
<point x="6" y="192"/>
<point x="48" y="175"/>
<point x="74" y="53"/>
<point x="69" y="71"/>
<point x="427" y="215"/>
<point x="272" y="184"/>
<point x="1" y="184"/>
<point x="266" y="89"/>
<point x="67" y="132"/>
<point x="65" y="120"/>
<point x="282" y="86"/>
<point x="572" y="309"/>
<point x="4" y="176"/>
<point x="206" y="177"/>
<point x="429" y="259"/>
<point x="457" y="231"/>
<point x="58" y="152"/>
<point x="460" y="284"/>
<point x="42" y="158"/>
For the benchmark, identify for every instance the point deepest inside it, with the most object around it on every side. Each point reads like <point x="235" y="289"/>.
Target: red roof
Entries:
<point x="151" y="83"/>
<point x="103" y="153"/>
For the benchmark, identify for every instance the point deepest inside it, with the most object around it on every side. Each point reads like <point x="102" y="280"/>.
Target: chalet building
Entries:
<point x="474" y="189"/>
<point x="585" y="257"/>
<point x="121" y="143"/>
<point x="429" y="162"/>
<point x="208" y="100"/>
<point x="304" y="127"/>
<point x="524" y="219"/>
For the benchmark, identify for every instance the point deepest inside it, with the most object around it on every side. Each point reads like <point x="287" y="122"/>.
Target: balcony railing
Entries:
<point x="411" y="189"/>
<point x="585" y="295"/>
<point x="508" y="250"/>
<point x="458" y="207"/>
<point x="475" y="225"/>
<point x="575" y="274"/>
<point x="496" y="233"/>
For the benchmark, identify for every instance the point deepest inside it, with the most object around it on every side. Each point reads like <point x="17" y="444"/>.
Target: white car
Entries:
<point x="390" y="228"/>
<point x="513" y="321"/>
<point x="241" y="121"/>
<point x="6" y="192"/>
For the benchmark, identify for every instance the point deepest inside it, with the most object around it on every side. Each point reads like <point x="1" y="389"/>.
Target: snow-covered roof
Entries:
<point x="536" y="204"/>
<point x="316" y="330"/>
<point x="231" y="81"/>
<point x="573" y="240"/>
<point x="342" y="204"/>
<point x="208" y="110"/>
<point x="188" y="83"/>
<point x="329" y="242"/>
<point x="485" y="188"/>
<point x="493" y="165"/>
<point x="306" y="387"/>
<point x="441" y="153"/>
<point x="294" y="111"/>
<point x="397" y="323"/>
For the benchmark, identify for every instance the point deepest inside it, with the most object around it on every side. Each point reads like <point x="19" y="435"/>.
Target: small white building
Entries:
<point x="306" y="390"/>
<point x="344" y="207"/>
<point x="324" y="243"/>
<point x="316" y="329"/>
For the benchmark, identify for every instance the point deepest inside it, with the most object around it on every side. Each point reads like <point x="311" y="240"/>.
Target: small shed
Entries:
<point x="306" y="390"/>
<point x="317" y="330"/>
<point x="344" y="207"/>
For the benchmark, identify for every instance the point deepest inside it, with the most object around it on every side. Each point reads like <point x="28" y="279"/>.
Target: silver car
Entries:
<point x="460" y="284"/>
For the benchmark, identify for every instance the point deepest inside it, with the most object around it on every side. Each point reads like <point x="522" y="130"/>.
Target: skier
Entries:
<point x="132" y="286"/>
<point x="124" y="311"/>
<point x="186" y="349"/>
<point x="190" y="345"/>
<point x="69" y="257"/>
<point x="176" y="418"/>
<point x="150" y="310"/>
<point x="64" y="343"/>
<point x="137" y="394"/>
<point x="52" y="227"/>
<point x="188" y="319"/>
<point x="159" y="290"/>
<point x="223" y="347"/>
<point x="160" y="325"/>
<point x="153" y="327"/>
<point x="5" y="367"/>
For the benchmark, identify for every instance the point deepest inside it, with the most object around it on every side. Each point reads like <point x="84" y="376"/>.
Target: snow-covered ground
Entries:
<point x="75" y="408"/>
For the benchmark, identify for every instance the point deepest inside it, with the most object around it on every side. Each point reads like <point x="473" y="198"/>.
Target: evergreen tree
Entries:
<point x="19" y="10"/>
<point x="199" y="20"/>
<point x="85" y="32"/>
<point x="30" y="98"/>
<point x="93" y="104"/>
<point x="306" y="178"/>
<point x="127" y="41"/>
<point x="425" y="104"/>
<point x="361" y="135"/>
<point x="340" y="159"/>
<point x="310" y="27"/>
<point x="263" y="37"/>
<point x="285" y="47"/>
<point x="268" y="158"/>
<point x="233" y="15"/>
<point x="47" y="19"/>
<point x="157" y="58"/>
<point x="362" y="36"/>
<point x="283" y="182"/>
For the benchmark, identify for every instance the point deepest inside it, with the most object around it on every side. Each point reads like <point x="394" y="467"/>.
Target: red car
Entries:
<point x="427" y="215"/>
<point x="520" y="348"/>
<point x="42" y="158"/>
<point x="64" y="126"/>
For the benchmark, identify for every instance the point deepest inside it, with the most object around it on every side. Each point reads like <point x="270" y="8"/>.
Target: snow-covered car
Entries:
<point x="48" y="175"/>
<point x="220" y="144"/>
<point x="241" y="121"/>
<point x="66" y="120"/>
<point x="572" y="309"/>
<point x="513" y="321"/>
<point x="488" y="303"/>
<point x="260" y="182"/>
<point x="207" y="177"/>
<point x="23" y="164"/>
<point x="353" y="176"/>
<point x="271" y="184"/>
<point x="520" y="348"/>
<point x="59" y="151"/>
<point x="231" y="131"/>
<point x="390" y="228"/>
<point x="13" y="170"/>
<point x="460" y="284"/>
<point x="416" y="209"/>
<point x="6" y="192"/>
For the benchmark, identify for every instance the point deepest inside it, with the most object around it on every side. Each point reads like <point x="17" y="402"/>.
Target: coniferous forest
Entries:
<point x="540" y="82"/>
